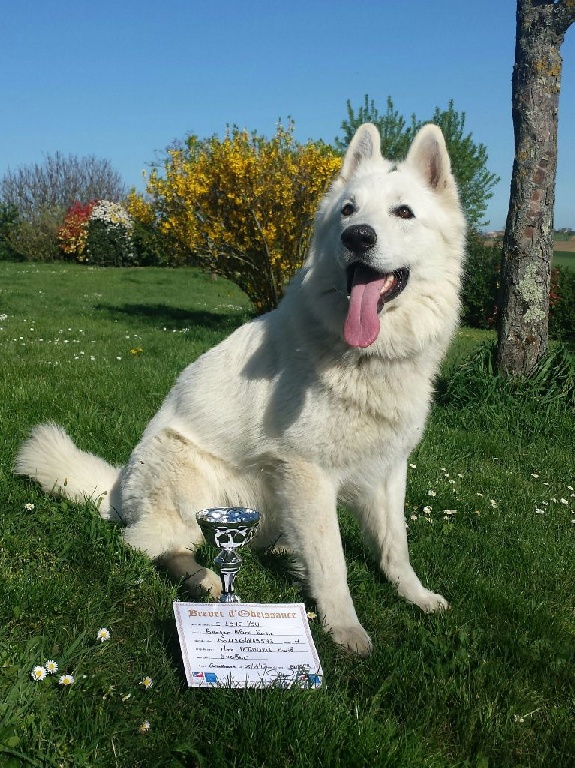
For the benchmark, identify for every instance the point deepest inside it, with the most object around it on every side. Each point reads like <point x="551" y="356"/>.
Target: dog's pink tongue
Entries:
<point x="361" y="327"/>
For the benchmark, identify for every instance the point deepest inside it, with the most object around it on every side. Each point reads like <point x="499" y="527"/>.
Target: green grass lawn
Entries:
<point x="565" y="259"/>
<point x="491" y="516"/>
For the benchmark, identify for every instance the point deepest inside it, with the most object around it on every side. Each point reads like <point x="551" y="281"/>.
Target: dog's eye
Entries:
<point x="347" y="209"/>
<point x="403" y="212"/>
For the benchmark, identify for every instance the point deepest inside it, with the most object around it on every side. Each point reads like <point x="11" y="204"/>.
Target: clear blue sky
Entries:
<point x="121" y="80"/>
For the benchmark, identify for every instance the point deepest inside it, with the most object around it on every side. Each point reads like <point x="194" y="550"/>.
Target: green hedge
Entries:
<point x="480" y="283"/>
<point x="562" y="304"/>
<point x="481" y="287"/>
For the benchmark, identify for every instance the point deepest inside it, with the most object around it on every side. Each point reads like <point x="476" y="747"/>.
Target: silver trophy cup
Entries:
<point x="228" y="528"/>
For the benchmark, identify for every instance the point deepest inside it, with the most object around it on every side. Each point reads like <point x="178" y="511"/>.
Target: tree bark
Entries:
<point x="528" y="241"/>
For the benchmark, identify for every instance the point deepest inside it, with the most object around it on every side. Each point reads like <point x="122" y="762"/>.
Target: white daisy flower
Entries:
<point x="51" y="667"/>
<point x="145" y="727"/>
<point x="29" y="507"/>
<point x="147" y="682"/>
<point x="103" y="635"/>
<point x="66" y="680"/>
<point x="38" y="673"/>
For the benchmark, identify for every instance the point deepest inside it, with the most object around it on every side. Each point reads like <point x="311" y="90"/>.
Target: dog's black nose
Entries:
<point x="359" y="238"/>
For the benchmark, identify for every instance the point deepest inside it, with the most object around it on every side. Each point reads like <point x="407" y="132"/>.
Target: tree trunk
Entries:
<point x="528" y="242"/>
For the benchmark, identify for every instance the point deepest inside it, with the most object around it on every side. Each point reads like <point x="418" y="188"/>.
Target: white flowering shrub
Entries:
<point x="110" y="236"/>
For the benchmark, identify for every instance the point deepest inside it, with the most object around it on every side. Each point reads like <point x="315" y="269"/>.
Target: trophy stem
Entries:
<point x="229" y="565"/>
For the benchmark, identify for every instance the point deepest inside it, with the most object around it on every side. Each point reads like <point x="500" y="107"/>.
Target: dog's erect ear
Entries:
<point x="428" y="154"/>
<point x="365" y="145"/>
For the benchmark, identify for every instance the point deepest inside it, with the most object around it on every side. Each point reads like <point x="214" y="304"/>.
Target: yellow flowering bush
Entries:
<point x="139" y="208"/>
<point x="240" y="206"/>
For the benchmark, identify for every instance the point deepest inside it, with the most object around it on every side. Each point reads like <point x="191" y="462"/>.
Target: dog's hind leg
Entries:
<point x="165" y="483"/>
<point x="171" y="542"/>
<point x="383" y="522"/>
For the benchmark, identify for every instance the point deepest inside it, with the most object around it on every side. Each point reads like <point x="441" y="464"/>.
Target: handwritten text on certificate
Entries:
<point x="241" y="645"/>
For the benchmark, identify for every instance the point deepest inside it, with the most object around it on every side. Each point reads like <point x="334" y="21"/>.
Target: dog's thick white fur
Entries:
<point x="319" y="401"/>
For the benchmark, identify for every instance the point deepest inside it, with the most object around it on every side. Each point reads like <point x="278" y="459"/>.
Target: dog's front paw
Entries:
<point x="204" y="581"/>
<point x="431" y="602"/>
<point x="353" y="639"/>
<point x="412" y="590"/>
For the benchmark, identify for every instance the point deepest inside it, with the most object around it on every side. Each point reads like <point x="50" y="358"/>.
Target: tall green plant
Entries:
<point x="396" y="134"/>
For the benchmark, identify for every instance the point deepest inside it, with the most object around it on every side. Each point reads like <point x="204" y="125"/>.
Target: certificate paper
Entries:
<point x="247" y="645"/>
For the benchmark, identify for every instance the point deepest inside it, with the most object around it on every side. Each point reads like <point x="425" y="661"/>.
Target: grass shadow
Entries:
<point x="282" y="566"/>
<point x="172" y="648"/>
<point x="175" y="317"/>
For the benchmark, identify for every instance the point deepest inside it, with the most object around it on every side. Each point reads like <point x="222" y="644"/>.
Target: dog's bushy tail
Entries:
<point x="51" y="458"/>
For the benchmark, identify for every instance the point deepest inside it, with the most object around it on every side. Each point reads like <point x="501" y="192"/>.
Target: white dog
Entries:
<point x="319" y="401"/>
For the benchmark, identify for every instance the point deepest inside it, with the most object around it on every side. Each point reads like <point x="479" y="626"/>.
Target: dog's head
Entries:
<point x="389" y="238"/>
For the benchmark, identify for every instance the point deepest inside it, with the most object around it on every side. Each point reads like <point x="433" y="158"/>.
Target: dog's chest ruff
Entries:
<point x="358" y="414"/>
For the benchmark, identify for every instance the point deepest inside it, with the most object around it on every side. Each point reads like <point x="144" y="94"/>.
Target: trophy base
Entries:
<point x="226" y="597"/>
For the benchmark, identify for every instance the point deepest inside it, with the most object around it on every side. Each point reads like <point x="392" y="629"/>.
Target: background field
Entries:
<point x="564" y="258"/>
<point x="564" y="254"/>
<point x="491" y="516"/>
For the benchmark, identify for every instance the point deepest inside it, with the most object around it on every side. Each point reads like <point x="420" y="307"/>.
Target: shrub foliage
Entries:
<point x="109" y="236"/>
<point x="481" y="282"/>
<point x="99" y="232"/>
<point x="36" y="238"/>
<point x="8" y="222"/>
<point x="242" y="206"/>
<point x="562" y="305"/>
<point x="73" y="234"/>
<point x="481" y="287"/>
